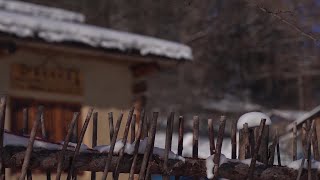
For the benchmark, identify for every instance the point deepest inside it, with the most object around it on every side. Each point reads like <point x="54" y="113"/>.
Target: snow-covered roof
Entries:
<point x="39" y="10"/>
<point x="54" y="25"/>
<point x="309" y="115"/>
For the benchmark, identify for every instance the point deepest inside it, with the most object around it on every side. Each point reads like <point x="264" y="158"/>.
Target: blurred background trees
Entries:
<point x="243" y="52"/>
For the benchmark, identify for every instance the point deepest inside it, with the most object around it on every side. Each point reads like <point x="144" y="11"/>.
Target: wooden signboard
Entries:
<point x="46" y="79"/>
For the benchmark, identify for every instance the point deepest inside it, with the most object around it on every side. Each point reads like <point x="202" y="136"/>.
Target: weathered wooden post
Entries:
<point x="3" y="104"/>
<point x="256" y="149"/>
<point x="263" y="150"/>
<point x="248" y="126"/>
<point x="244" y="145"/>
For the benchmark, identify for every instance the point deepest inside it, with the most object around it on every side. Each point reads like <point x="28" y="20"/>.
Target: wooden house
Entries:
<point x="51" y="57"/>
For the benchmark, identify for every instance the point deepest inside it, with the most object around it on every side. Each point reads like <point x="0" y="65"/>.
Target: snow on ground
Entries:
<point x="223" y="159"/>
<point x="285" y="142"/>
<point x="72" y="146"/>
<point x="248" y="162"/>
<point x="106" y="148"/>
<point x="296" y="164"/>
<point x="253" y="119"/>
<point x="210" y="164"/>
<point x="129" y="149"/>
<point x="204" y="147"/>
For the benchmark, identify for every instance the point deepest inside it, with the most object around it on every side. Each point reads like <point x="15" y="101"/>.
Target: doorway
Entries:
<point x="57" y="117"/>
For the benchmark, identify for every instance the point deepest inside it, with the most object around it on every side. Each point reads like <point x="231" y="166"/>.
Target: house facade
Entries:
<point x="51" y="57"/>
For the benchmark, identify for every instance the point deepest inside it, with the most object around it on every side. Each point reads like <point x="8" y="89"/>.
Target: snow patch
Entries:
<point x="296" y="164"/>
<point x="253" y="119"/>
<point x="248" y="162"/>
<point x="72" y="146"/>
<point x="129" y="149"/>
<point x="15" y="140"/>
<point x="158" y="151"/>
<point x="106" y="148"/>
<point x="210" y="164"/>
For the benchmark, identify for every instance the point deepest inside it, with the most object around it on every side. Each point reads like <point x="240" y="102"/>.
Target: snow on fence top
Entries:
<point x="41" y="24"/>
<point x="10" y="139"/>
<point x="253" y="119"/>
<point x="43" y="11"/>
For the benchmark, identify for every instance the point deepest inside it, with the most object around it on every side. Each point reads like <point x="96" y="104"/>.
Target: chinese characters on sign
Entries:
<point x="47" y="79"/>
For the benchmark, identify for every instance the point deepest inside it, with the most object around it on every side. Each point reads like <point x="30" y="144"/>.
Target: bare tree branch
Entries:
<point x="296" y="28"/>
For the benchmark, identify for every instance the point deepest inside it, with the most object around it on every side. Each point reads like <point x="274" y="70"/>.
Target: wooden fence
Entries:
<point x="141" y="166"/>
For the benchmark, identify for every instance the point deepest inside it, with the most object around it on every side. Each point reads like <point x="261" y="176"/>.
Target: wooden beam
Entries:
<point x="90" y="52"/>
<point x="93" y="161"/>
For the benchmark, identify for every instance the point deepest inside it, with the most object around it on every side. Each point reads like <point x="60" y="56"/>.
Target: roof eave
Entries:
<point x="86" y="50"/>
